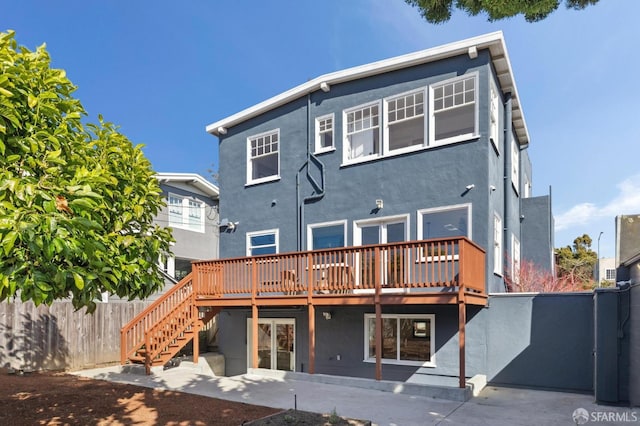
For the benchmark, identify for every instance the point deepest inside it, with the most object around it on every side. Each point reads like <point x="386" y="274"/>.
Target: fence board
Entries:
<point x="56" y="337"/>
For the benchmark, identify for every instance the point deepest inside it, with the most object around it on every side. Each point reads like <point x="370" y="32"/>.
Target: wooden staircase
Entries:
<point x="159" y="332"/>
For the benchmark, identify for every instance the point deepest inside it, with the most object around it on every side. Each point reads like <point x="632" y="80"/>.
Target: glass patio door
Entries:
<point x="276" y="343"/>
<point x="382" y="232"/>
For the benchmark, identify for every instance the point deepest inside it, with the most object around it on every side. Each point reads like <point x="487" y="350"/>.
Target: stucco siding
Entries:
<point x="541" y="340"/>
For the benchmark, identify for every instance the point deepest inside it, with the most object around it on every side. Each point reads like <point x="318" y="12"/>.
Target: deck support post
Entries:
<point x="254" y="336"/>
<point x="462" y="320"/>
<point x="312" y="339"/>
<point x="196" y="333"/>
<point x="254" y="314"/>
<point x="376" y="299"/>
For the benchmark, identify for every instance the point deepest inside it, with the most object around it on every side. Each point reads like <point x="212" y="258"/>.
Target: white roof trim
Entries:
<point x="192" y="179"/>
<point x="492" y="41"/>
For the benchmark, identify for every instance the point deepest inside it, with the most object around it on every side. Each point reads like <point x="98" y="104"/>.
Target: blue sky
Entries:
<point x="163" y="70"/>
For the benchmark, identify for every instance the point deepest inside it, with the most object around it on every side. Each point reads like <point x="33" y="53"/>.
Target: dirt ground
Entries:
<point x="61" y="399"/>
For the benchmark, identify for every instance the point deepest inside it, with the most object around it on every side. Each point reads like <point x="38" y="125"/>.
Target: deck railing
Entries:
<point x="406" y="266"/>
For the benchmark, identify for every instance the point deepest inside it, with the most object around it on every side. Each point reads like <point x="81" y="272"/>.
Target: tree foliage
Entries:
<point x="576" y="263"/>
<point x="76" y="201"/>
<point x="530" y="278"/>
<point x="439" y="11"/>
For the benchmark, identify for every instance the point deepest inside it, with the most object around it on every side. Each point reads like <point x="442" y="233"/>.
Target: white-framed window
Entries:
<point x="515" y="163"/>
<point x="515" y="259"/>
<point x="404" y="125"/>
<point x="361" y="128"/>
<point x="186" y="213"/>
<point x="263" y="157"/>
<point x="262" y="242"/>
<point x="526" y="187"/>
<point x="327" y="235"/>
<point x="324" y="133"/>
<point x="494" y="117"/>
<point x="610" y="274"/>
<point x="453" y="110"/>
<point x="445" y="222"/>
<point x="497" y="244"/>
<point x="407" y="339"/>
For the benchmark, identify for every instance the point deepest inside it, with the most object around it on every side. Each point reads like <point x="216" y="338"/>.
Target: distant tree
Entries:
<point x="76" y="201"/>
<point x="576" y="263"/>
<point x="439" y="11"/>
<point x="530" y="278"/>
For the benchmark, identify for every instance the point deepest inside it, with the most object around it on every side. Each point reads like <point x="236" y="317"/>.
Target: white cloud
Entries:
<point x="626" y="201"/>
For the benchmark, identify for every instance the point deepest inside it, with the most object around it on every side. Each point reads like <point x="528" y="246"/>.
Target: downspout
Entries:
<point x="318" y="188"/>
<point x="507" y="172"/>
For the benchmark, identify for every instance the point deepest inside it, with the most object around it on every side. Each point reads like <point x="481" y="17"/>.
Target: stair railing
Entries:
<point x="132" y="335"/>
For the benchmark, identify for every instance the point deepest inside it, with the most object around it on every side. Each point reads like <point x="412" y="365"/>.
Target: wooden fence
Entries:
<point x="58" y="338"/>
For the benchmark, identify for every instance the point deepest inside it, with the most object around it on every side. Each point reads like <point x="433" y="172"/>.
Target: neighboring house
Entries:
<point x="628" y="248"/>
<point x="606" y="270"/>
<point x="191" y="212"/>
<point x="359" y="167"/>
<point x="628" y="326"/>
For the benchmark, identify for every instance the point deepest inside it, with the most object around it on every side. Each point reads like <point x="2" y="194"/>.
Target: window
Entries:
<point x="453" y="110"/>
<point x="497" y="244"/>
<point x="526" y="187"/>
<point x="324" y="133"/>
<point x="515" y="259"/>
<point x="186" y="213"/>
<point x="362" y="132"/>
<point x="445" y="222"/>
<point x="494" y="122"/>
<point x="406" y="339"/>
<point x="263" y="156"/>
<point x="262" y="242"/>
<point x="326" y="235"/>
<point x="610" y="274"/>
<point x="515" y="163"/>
<point x="405" y="121"/>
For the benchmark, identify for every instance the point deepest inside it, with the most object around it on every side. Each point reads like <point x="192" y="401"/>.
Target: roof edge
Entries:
<point x="192" y="178"/>
<point x="493" y="41"/>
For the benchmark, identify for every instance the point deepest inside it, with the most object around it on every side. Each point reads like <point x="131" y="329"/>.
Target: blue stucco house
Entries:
<point x="367" y="214"/>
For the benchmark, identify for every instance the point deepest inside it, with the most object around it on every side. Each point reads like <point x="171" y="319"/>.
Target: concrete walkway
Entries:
<point x="494" y="405"/>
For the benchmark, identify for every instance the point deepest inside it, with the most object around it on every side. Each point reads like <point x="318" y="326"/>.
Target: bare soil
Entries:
<point x="48" y="398"/>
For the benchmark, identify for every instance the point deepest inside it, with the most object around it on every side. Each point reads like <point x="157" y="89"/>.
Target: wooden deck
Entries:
<point x="414" y="272"/>
<point x="438" y="271"/>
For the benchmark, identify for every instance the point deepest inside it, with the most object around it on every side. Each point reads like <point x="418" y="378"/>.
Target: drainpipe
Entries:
<point x="318" y="188"/>
<point x="507" y="172"/>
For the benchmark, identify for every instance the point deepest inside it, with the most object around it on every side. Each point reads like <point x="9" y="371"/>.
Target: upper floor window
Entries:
<point x="494" y="122"/>
<point x="445" y="222"/>
<point x="453" y="110"/>
<point x="263" y="157"/>
<point x="186" y="213"/>
<point x="405" y="121"/>
<point x="362" y="132"/>
<point x="262" y="242"/>
<point x="515" y="259"/>
<point x="497" y="244"/>
<point x="324" y="133"/>
<point x="515" y="163"/>
<point x="326" y="235"/>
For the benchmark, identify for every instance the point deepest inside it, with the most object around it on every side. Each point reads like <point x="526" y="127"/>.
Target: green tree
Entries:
<point x="576" y="263"/>
<point x="439" y="11"/>
<point x="76" y="201"/>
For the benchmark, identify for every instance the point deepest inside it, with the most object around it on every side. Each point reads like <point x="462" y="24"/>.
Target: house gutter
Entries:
<point x="507" y="173"/>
